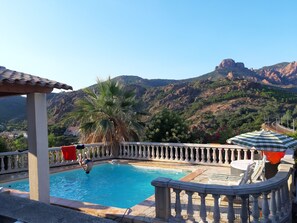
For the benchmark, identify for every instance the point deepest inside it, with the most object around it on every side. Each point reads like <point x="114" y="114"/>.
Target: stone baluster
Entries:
<point x="214" y="155"/>
<point x="93" y="150"/>
<point x="245" y="156"/>
<point x="190" y="209"/>
<point x="231" y="213"/>
<point x="192" y="160"/>
<point x="232" y="155"/>
<point x="186" y="153"/>
<point x="239" y="154"/>
<point x="274" y="214"/>
<point x="278" y="204"/>
<point x="166" y="153"/>
<point x="244" y="209"/>
<point x="140" y="151"/>
<point x="9" y="163"/>
<point x="255" y="208"/>
<point x="181" y="153"/>
<point x="143" y="151"/>
<point x="57" y="157"/>
<point x="216" y="209"/>
<point x="283" y="200"/>
<point x="14" y="162"/>
<point x="177" y="204"/>
<point x="171" y="153"/>
<point x="203" y="213"/>
<point x="17" y="162"/>
<point x="98" y="148"/>
<point x="265" y="207"/>
<point x="203" y="155"/>
<point x="52" y="158"/>
<point x="226" y="158"/>
<point x="128" y="151"/>
<point x="149" y="152"/>
<point x="287" y="198"/>
<point x="207" y="155"/>
<point x="157" y="152"/>
<point x="220" y="155"/>
<point x="135" y="151"/>
<point x="176" y="153"/>
<point x="197" y="155"/>
<point x="132" y="152"/>
<point x="162" y="152"/>
<point x="252" y="154"/>
<point x="21" y="161"/>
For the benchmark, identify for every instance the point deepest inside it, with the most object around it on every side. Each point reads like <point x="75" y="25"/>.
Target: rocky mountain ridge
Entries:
<point x="282" y="74"/>
<point x="230" y="92"/>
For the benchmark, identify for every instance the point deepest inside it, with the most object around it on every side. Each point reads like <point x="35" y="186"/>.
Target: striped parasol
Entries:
<point x="264" y="140"/>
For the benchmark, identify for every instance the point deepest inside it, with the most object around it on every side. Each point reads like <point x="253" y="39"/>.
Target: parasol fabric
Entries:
<point x="264" y="140"/>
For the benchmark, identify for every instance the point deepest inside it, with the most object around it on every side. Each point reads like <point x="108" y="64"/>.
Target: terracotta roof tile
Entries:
<point x="15" y="77"/>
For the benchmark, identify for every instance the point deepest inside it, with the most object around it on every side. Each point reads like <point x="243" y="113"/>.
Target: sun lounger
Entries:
<point x="254" y="173"/>
<point x="225" y="179"/>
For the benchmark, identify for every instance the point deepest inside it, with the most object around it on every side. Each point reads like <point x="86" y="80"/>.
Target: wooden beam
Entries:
<point x="11" y="89"/>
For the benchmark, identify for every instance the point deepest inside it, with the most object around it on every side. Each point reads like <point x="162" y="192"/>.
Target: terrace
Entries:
<point x="190" y="199"/>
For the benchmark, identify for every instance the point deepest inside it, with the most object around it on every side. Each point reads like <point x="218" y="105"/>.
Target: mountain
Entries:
<point x="231" y="96"/>
<point x="12" y="108"/>
<point x="135" y="80"/>
<point x="281" y="74"/>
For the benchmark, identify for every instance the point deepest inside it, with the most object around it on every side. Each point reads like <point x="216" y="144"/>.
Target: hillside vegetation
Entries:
<point x="230" y="100"/>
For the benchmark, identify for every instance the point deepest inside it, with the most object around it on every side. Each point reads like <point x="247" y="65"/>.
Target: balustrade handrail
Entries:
<point x="221" y="154"/>
<point x="276" y="189"/>
<point x="208" y="145"/>
<point x="17" y="161"/>
<point x="273" y="183"/>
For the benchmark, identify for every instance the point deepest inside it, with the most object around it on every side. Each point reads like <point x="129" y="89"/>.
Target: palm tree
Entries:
<point x="108" y="114"/>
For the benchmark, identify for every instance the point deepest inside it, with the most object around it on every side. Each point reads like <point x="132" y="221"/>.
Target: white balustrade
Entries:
<point x="206" y="154"/>
<point x="13" y="162"/>
<point x="272" y="195"/>
<point x="259" y="202"/>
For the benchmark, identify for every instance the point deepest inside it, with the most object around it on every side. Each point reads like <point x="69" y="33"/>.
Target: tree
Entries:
<point x="287" y="118"/>
<point x="167" y="126"/>
<point x="3" y="145"/>
<point x="108" y="114"/>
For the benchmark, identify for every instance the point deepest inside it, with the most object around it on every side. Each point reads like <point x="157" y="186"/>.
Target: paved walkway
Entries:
<point x="30" y="211"/>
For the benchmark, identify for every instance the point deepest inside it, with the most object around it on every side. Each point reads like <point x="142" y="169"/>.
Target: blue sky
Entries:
<point x="76" y="41"/>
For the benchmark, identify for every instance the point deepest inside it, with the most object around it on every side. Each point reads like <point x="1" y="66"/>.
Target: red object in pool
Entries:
<point x="274" y="157"/>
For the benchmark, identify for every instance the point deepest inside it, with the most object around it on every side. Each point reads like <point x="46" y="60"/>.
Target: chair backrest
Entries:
<point x="246" y="178"/>
<point x="258" y="170"/>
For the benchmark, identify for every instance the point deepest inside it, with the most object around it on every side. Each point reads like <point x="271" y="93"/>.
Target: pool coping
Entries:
<point x="133" y="214"/>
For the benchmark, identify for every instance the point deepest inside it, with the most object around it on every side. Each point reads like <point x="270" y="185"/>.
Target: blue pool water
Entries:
<point x="110" y="185"/>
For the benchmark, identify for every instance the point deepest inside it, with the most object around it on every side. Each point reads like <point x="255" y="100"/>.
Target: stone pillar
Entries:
<point x="162" y="198"/>
<point x="38" y="147"/>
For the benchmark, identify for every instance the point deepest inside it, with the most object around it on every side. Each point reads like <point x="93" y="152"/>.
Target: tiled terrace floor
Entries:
<point x="145" y="211"/>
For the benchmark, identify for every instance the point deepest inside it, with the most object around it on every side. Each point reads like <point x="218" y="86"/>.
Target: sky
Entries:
<point x="77" y="41"/>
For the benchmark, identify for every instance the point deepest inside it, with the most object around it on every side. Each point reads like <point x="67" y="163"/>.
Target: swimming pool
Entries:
<point x="118" y="185"/>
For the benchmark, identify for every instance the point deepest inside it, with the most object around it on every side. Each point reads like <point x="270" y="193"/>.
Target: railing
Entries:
<point x="208" y="154"/>
<point x="185" y="152"/>
<point x="12" y="162"/>
<point x="267" y="201"/>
